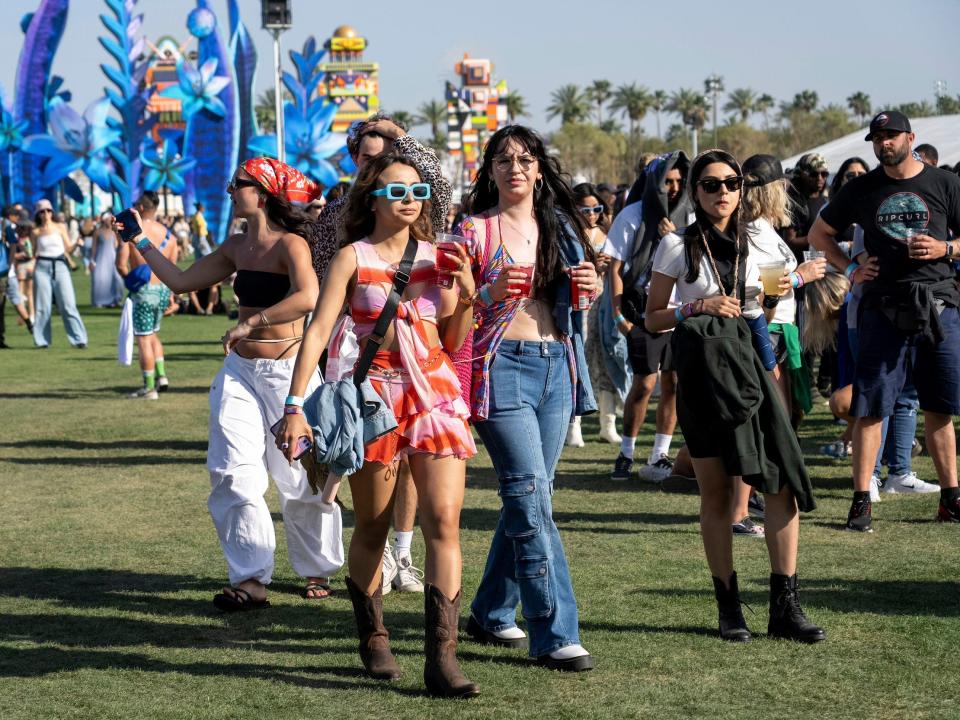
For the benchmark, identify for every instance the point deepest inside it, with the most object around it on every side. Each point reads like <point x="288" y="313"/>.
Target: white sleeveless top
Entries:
<point x="50" y="245"/>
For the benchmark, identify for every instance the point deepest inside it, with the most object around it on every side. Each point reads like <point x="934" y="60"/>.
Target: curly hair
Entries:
<point x="552" y="203"/>
<point x="359" y="220"/>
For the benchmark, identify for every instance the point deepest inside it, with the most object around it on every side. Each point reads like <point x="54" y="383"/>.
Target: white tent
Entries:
<point x="942" y="132"/>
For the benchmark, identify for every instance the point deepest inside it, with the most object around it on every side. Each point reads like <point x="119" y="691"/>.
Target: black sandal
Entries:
<point x="314" y="587"/>
<point x="241" y="602"/>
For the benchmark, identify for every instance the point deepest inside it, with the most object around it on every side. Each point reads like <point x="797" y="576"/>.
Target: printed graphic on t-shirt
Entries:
<point x="901" y="212"/>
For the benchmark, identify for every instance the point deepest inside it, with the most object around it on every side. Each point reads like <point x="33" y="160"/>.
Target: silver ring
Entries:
<point x="284" y="446"/>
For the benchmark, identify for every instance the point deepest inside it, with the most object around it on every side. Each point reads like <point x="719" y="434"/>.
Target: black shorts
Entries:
<point x="649" y="352"/>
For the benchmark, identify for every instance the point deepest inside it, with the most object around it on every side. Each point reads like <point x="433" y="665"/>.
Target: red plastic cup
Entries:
<point x="447" y="257"/>
<point x="527" y="270"/>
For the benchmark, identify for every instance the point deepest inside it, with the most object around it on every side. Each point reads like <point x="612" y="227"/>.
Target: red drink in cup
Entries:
<point x="447" y="257"/>
<point x="527" y="270"/>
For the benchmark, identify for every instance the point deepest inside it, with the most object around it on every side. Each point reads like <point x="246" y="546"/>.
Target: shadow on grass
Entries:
<point x="175" y="445"/>
<point x="100" y="393"/>
<point x="127" y="461"/>
<point x="607" y="523"/>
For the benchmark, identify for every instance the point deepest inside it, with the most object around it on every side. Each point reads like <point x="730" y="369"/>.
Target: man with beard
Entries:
<point x="632" y="243"/>
<point x="909" y="318"/>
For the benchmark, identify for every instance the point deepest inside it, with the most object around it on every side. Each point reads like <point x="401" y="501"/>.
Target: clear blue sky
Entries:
<point x="894" y="51"/>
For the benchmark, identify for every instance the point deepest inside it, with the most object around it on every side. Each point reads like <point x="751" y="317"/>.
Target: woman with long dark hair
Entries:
<point x="530" y="380"/>
<point x="275" y="287"/>
<point x="387" y="207"/>
<point x="710" y="268"/>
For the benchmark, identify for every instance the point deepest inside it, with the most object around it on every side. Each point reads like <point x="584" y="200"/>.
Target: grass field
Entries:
<point x="108" y="562"/>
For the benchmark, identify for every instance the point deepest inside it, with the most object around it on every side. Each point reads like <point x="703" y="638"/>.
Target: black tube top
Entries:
<point x="256" y="288"/>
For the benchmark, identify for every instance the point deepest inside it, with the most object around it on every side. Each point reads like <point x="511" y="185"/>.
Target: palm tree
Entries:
<point x="516" y="106"/>
<point x="434" y="114"/>
<point x="763" y="105"/>
<point x="859" y="104"/>
<point x="402" y="117"/>
<point x="805" y="101"/>
<point x="658" y="101"/>
<point x="266" y="111"/>
<point x="569" y="103"/>
<point x="632" y="101"/>
<point x="599" y="92"/>
<point x="692" y="108"/>
<point x="742" y="101"/>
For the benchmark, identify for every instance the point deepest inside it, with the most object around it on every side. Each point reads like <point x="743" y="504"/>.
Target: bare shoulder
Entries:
<point x="344" y="261"/>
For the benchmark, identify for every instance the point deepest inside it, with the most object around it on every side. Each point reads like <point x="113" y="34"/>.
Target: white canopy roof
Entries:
<point x="943" y="132"/>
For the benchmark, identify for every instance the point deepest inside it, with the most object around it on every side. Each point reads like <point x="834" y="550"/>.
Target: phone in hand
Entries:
<point x="304" y="444"/>
<point x="131" y="228"/>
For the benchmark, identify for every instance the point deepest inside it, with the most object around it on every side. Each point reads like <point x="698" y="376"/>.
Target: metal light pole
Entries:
<point x="277" y="17"/>
<point x="714" y="86"/>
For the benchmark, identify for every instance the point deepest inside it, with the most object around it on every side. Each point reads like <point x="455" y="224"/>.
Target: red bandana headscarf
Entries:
<point x="281" y="180"/>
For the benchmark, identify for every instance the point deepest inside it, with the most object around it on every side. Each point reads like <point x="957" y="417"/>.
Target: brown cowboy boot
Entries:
<point x="441" y="673"/>
<point x="374" y="638"/>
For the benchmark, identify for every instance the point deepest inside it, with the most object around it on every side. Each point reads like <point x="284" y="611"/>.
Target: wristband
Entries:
<point x="292" y="410"/>
<point x="485" y="295"/>
<point x="851" y="269"/>
<point x="796" y="280"/>
<point x="294" y="400"/>
<point x="144" y="243"/>
<point x="620" y="319"/>
<point x="678" y="313"/>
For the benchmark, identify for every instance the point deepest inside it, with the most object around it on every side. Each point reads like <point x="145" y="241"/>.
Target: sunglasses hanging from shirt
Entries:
<point x="398" y="191"/>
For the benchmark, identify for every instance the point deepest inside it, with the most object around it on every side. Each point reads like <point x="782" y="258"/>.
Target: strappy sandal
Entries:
<point x="314" y="587"/>
<point x="242" y="601"/>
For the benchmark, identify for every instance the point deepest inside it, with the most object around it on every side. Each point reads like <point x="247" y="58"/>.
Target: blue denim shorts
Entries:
<point x="885" y="356"/>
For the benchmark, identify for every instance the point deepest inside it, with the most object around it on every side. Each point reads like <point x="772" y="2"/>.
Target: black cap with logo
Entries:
<point x="763" y="169"/>
<point x="888" y="120"/>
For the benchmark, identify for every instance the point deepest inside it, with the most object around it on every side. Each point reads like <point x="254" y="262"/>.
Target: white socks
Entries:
<point x="661" y="446"/>
<point x="569" y="652"/>
<point x="402" y="542"/>
<point x="627" y="445"/>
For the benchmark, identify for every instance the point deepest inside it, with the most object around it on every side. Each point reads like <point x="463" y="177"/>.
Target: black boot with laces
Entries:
<point x="787" y="619"/>
<point x="733" y="628"/>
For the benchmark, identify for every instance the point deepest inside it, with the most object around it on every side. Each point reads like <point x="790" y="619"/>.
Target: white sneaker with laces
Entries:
<point x="409" y="578"/>
<point x="908" y="483"/>
<point x="657" y="472"/>
<point x="144" y="394"/>
<point x="389" y="569"/>
<point x="162" y="383"/>
<point x="875" y="488"/>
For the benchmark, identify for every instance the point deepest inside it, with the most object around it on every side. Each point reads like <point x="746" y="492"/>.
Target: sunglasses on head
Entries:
<point x="398" y="191"/>
<point x="587" y="210"/>
<point x="238" y="183"/>
<point x="712" y="185"/>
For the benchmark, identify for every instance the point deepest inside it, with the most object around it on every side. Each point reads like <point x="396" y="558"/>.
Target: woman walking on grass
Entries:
<point x="388" y="208"/>
<point x="51" y="279"/>
<point x="530" y="381"/>
<point x="275" y="287"/>
<point x="732" y="418"/>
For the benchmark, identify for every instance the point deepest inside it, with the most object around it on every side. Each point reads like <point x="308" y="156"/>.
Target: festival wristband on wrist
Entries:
<point x="620" y="319"/>
<point x="143" y="243"/>
<point x="292" y="410"/>
<point x="294" y="400"/>
<point x="796" y="280"/>
<point x="851" y="269"/>
<point x="678" y="313"/>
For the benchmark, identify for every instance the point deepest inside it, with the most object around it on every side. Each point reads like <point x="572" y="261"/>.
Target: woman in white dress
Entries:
<point x="106" y="285"/>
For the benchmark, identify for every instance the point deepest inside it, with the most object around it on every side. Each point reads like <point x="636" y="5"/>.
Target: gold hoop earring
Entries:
<point x="540" y="186"/>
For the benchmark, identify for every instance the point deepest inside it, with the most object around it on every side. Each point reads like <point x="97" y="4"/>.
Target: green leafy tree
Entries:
<point x="598" y="93"/>
<point x="917" y="109"/>
<point x="632" y="101"/>
<point x="859" y="104"/>
<point x="516" y="106"/>
<point x="742" y="102"/>
<point x="658" y="102"/>
<point x="763" y="105"/>
<point x="587" y="150"/>
<point x="434" y="114"/>
<point x="805" y="101"/>
<point x="569" y="103"/>
<point x="266" y="110"/>
<point x="947" y="105"/>
<point x="405" y="118"/>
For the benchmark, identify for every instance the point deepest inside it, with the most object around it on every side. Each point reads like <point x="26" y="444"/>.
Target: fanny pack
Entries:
<point x="348" y="414"/>
<point x="137" y="278"/>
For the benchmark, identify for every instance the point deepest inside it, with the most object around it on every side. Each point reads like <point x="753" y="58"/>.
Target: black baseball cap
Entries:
<point x="888" y="120"/>
<point x="764" y="169"/>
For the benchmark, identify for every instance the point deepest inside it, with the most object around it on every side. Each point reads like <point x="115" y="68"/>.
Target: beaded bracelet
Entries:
<point x="292" y="410"/>
<point x="144" y="243"/>
<point x="294" y="400"/>
<point x="851" y="269"/>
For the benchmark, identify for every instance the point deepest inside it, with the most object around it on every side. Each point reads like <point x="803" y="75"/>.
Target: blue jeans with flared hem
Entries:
<point x="531" y="404"/>
<point x="51" y="281"/>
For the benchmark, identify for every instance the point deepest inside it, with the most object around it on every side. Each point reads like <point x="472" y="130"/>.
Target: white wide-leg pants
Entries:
<point x="246" y="398"/>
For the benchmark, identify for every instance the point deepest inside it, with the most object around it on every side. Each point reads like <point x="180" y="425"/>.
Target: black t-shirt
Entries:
<point x="886" y="207"/>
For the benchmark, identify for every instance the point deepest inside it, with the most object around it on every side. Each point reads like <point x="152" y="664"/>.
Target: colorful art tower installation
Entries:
<point x="351" y="82"/>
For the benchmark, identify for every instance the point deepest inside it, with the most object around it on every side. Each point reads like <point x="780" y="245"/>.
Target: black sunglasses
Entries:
<point x="236" y="184"/>
<point x="712" y="185"/>
<point x="821" y="173"/>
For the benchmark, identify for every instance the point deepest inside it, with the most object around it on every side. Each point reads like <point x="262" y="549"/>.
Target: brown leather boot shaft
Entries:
<point x="374" y="638"/>
<point x="441" y="672"/>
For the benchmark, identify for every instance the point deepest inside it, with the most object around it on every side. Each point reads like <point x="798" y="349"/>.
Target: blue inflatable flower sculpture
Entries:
<point x="199" y="88"/>
<point x="165" y="168"/>
<point x="75" y="142"/>
<point x="308" y="142"/>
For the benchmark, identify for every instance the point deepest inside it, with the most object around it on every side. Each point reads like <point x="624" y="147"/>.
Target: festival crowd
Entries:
<point x="379" y="325"/>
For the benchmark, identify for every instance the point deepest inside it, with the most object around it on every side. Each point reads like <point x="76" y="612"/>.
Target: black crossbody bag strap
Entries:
<point x="400" y="281"/>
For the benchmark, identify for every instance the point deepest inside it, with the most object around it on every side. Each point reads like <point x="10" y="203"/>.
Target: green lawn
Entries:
<point x="108" y="562"/>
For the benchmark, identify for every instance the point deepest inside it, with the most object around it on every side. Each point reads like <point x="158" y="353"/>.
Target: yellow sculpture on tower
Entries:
<point x="350" y="82"/>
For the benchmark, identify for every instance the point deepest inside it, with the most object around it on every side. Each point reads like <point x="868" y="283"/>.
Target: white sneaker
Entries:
<point x="657" y="472"/>
<point x="144" y="394"/>
<point x="908" y="483"/>
<point x="409" y="578"/>
<point x="875" y="489"/>
<point x="389" y="569"/>
<point x="574" y="435"/>
<point x="162" y="383"/>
